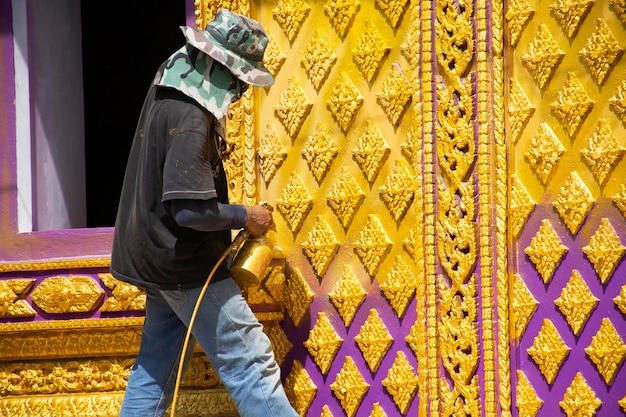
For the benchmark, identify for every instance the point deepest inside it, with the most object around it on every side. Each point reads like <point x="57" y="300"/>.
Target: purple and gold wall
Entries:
<point x="450" y="199"/>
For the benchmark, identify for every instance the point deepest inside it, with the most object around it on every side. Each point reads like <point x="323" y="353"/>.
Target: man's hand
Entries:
<point x="259" y="220"/>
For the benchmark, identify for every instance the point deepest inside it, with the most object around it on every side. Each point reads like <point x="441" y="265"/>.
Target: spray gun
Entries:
<point x="252" y="255"/>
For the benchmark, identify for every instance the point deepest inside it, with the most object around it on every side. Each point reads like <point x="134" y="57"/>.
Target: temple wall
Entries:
<point x="450" y="200"/>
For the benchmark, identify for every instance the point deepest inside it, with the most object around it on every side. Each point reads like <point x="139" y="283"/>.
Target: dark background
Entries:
<point x="123" y="45"/>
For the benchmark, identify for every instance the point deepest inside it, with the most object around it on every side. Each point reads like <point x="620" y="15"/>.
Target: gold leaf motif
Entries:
<point x="401" y="382"/>
<point x="273" y="58"/>
<point x="603" y="152"/>
<point x="272" y="153"/>
<point x="412" y="241"/>
<point x="124" y="296"/>
<point x="373" y="340"/>
<point x="601" y="52"/>
<point x="67" y="294"/>
<point x="521" y="205"/>
<point x="299" y="388"/>
<point x="12" y="298"/>
<point x="295" y="202"/>
<point x="622" y="402"/>
<point x="520" y="110"/>
<point x="576" y="302"/>
<point x="290" y="15"/>
<point x="323" y="342"/>
<point x="373" y="245"/>
<point x="372" y="151"/>
<point x="281" y="345"/>
<point x="399" y="286"/>
<point x="620" y="8"/>
<point x="298" y="296"/>
<point x="349" y="387"/>
<point x="398" y="190"/>
<point x="604" y="250"/>
<point x="573" y="202"/>
<point x="528" y="403"/>
<point x="392" y="9"/>
<point x="321" y="246"/>
<point x="544" y="152"/>
<point x="318" y="59"/>
<point x="395" y="94"/>
<point x="411" y="148"/>
<point x="326" y="412"/>
<point x="620" y="300"/>
<point x="347" y="295"/>
<point x="620" y="199"/>
<point x="618" y="102"/>
<point x="524" y="305"/>
<point x="546" y="251"/>
<point x="377" y="410"/>
<point x="319" y="152"/>
<point x="543" y="57"/>
<point x="607" y="351"/>
<point x="345" y="197"/>
<point x="571" y="13"/>
<point x="454" y="37"/>
<point x="579" y="399"/>
<point x="345" y="102"/>
<point x="518" y="14"/>
<point x="572" y="105"/>
<point x="293" y="107"/>
<point x="370" y="52"/>
<point x="548" y="351"/>
<point x="341" y="14"/>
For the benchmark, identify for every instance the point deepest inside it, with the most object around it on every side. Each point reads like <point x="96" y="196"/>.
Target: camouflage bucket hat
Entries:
<point x="237" y="42"/>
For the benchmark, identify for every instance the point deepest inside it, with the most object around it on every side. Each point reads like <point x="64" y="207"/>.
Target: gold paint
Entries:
<point x="12" y="298"/>
<point x="401" y="382"/>
<point x="345" y="102"/>
<point x="373" y="340"/>
<point x="377" y="411"/>
<point x="319" y="151"/>
<point x="341" y="13"/>
<point x="523" y="307"/>
<point x="326" y="412"/>
<point x="604" y="250"/>
<point x="299" y="388"/>
<point x="601" y="52"/>
<point x="393" y="9"/>
<point x="603" y="152"/>
<point x="370" y="52"/>
<point x="345" y="197"/>
<point x="399" y="286"/>
<point x="290" y="15"/>
<point x="52" y="265"/>
<point x="454" y="41"/>
<point x="579" y="399"/>
<point x="544" y="152"/>
<point x="281" y="345"/>
<point x="546" y="250"/>
<point x="272" y="153"/>
<point x="572" y="105"/>
<point x="520" y="110"/>
<point x="618" y="102"/>
<point x="293" y="107"/>
<point x="543" y="57"/>
<point x="298" y="296"/>
<point x="273" y="58"/>
<point x="373" y="244"/>
<point x="318" y="59"/>
<point x="570" y="14"/>
<point x="323" y="342"/>
<point x="521" y="205"/>
<point x="548" y="351"/>
<point x="321" y="246"/>
<point x="573" y="202"/>
<point x="347" y="295"/>
<point x="620" y="199"/>
<point x="395" y="94"/>
<point x="349" y="387"/>
<point x="213" y="402"/>
<point x="620" y="8"/>
<point x="398" y="190"/>
<point x="620" y="300"/>
<point x="519" y="14"/>
<point x="607" y="351"/>
<point x="67" y="294"/>
<point x="124" y="296"/>
<point x="295" y="202"/>
<point x="372" y="151"/>
<point x="576" y="302"/>
<point x="622" y="403"/>
<point x="528" y="403"/>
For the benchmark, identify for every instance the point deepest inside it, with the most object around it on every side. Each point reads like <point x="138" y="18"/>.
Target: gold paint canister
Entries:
<point x="252" y="260"/>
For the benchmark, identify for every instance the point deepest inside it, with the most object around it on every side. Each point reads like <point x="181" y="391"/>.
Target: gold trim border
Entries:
<point x="55" y="264"/>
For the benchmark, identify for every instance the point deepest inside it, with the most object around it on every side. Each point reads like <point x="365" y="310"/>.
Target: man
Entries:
<point x="174" y="224"/>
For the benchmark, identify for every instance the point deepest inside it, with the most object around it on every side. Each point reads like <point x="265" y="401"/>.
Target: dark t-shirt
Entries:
<point x="174" y="155"/>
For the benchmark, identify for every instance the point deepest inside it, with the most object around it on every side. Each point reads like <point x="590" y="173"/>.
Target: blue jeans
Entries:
<point x="230" y="335"/>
